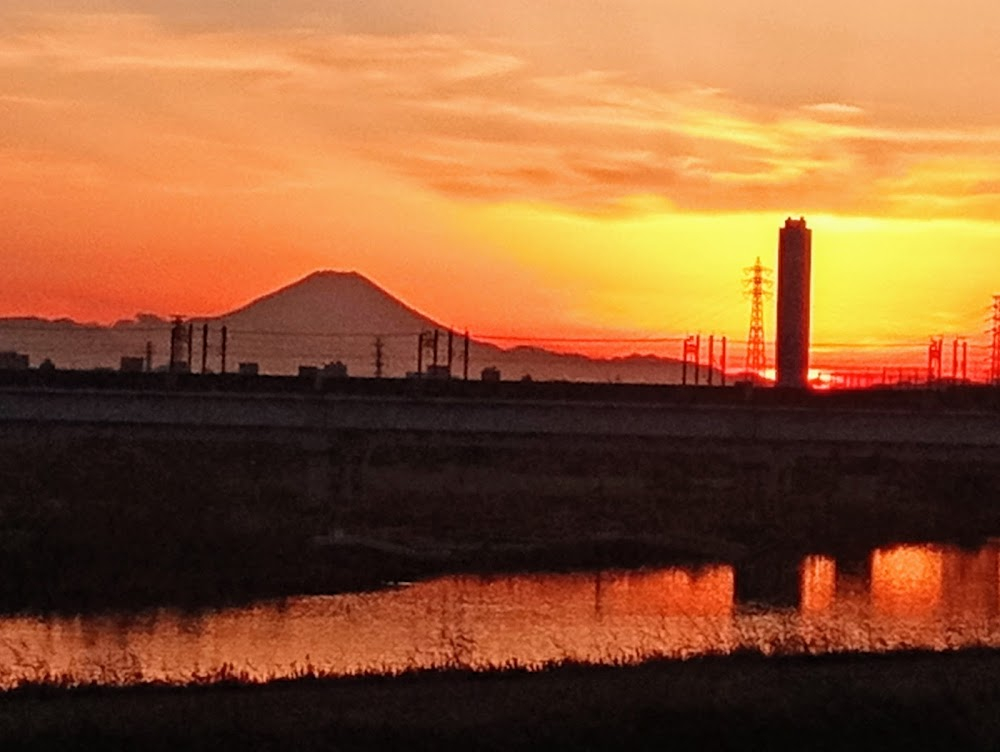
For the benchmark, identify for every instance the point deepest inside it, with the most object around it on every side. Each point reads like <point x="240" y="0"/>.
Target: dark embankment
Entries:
<point x="912" y="701"/>
<point x="109" y="522"/>
<point x="132" y="514"/>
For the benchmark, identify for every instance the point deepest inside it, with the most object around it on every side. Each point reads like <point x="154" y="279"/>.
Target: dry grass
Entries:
<point x="917" y="700"/>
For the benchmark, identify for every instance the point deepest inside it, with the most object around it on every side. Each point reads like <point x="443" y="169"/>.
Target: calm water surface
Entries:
<point x="906" y="596"/>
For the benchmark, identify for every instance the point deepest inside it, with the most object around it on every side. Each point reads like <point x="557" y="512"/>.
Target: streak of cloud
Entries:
<point x="471" y="119"/>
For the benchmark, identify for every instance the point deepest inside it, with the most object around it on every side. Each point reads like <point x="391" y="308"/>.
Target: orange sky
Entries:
<point x="562" y="168"/>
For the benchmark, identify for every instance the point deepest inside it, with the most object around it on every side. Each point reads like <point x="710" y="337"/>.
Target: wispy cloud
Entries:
<point x="834" y="108"/>
<point x="471" y="118"/>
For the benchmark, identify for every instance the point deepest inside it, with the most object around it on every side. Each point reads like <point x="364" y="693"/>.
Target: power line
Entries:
<point x="585" y="340"/>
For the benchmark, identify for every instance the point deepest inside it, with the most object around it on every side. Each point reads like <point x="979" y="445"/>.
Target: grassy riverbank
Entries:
<point x="917" y="701"/>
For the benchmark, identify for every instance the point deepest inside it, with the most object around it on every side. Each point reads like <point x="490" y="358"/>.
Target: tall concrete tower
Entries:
<point x="794" y="282"/>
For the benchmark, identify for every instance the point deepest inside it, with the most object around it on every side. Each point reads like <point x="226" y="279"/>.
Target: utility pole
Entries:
<point x="204" y="348"/>
<point x="697" y="358"/>
<point x="691" y="346"/>
<point x="684" y="362"/>
<point x="379" y="358"/>
<point x="420" y="353"/>
<point x="176" y="344"/>
<point x="451" y="350"/>
<point x="722" y="364"/>
<point x="711" y="358"/>
<point x="995" y="354"/>
<point x="757" y="284"/>
<point x="465" y="357"/>
<point x="225" y="344"/>
<point x="959" y="359"/>
<point x="934" y="352"/>
<point x="149" y="356"/>
<point x="436" y="337"/>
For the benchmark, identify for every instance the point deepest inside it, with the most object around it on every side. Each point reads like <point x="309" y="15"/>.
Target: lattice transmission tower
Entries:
<point x="757" y="285"/>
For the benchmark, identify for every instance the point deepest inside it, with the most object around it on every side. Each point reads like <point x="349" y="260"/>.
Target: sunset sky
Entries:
<point x="548" y="168"/>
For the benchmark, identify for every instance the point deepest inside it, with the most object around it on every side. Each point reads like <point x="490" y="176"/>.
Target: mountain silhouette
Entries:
<point x="325" y="317"/>
<point x="329" y="302"/>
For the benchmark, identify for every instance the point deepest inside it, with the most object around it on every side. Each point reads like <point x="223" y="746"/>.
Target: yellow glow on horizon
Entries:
<point x="873" y="279"/>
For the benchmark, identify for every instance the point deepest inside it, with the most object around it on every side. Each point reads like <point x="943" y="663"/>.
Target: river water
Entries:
<point x="895" y="598"/>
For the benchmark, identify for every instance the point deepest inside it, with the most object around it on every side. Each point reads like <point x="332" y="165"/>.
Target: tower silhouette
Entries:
<point x="794" y="307"/>
<point x="757" y="283"/>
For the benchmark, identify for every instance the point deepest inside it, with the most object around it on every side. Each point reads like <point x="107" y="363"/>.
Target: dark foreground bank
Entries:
<point x="103" y="525"/>
<point x="916" y="701"/>
<point x="201" y="505"/>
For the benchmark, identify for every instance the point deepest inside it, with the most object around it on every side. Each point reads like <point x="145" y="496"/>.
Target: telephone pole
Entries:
<point x="692" y="349"/>
<point x="465" y="357"/>
<point x="757" y="284"/>
<point x="177" y="336"/>
<point x="225" y="345"/>
<point x="204" y="348"/>
<point x="722" y="364"/>
<point x="379" y="357"/>
<point x="995" y="354"/>
<point x="934" y="353"/>
<point x="711" y="358"/>
<point x="959" y="360"/>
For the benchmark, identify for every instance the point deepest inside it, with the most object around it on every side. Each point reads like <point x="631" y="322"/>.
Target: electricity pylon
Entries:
<point x="757" y="284"/>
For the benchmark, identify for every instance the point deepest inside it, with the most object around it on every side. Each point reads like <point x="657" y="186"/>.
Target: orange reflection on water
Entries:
<point x="969" y="581"/>
<point x="672" y="592"/>
<point x="594" y="616"/>
<point x="927" y="596"/>
<point x="818" y="577"/>
<point x="907" y="580"/>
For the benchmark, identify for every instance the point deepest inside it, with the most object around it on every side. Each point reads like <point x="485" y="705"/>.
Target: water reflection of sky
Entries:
<point x="906" y="596"/>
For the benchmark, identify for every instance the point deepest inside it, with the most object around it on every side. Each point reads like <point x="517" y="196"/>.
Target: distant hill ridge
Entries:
<point x="326" y="316"/>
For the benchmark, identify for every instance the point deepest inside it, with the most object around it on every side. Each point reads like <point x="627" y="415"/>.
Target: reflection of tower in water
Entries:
<point x="971" y="582"/>
<point x="772" y="580"/>
<point x="818" y="584"/>
<point x="906" y="581"/>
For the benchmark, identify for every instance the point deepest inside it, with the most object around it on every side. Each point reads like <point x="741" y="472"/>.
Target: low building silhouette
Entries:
<point x="131" y="364"/>
<point x="14" y="361"/>
<point x="438" y="372"/>
<point x="336" y="370"/>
